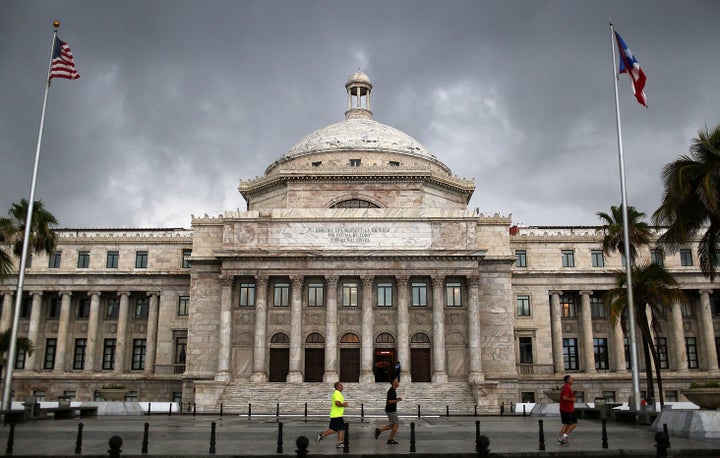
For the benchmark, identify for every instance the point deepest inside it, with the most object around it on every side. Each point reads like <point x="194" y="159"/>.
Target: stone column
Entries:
<point x="618" y="345"/>
<point x="331" y="329"/>
<point x="439" y="373"/>
<point x="34" y="329"/>
<point x="708" y="335"/>
<point x="7" y="309"/>
<point x="260" y="374"/>
<point x="151" y="335"/>
<point x="368" y="345"/>
<point x="122" y="324"/>
<point x="403" y="328"/>
<point x="295" y="374"/>
<point x="475" y="373"/>
<point x="93" y="319"/>
<point x="678" y="336"/>
<point x="556" y="331"/>
<point x="62" y="335"/>
<point x="225" y="330"/>
<point x="588" y="350"/>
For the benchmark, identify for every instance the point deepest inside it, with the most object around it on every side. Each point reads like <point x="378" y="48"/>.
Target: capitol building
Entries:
<point x="356" y="250"/>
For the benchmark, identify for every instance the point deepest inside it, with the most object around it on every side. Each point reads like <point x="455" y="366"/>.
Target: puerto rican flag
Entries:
<point x="630" y="65"/>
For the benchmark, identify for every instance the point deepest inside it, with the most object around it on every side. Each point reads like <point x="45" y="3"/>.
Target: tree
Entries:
<point x="12" y="231"/>
<point x="691" y="200"/>
<point x="653" y="288"/>
<point x="638" y="231"/>
<point x="22" y="343"/>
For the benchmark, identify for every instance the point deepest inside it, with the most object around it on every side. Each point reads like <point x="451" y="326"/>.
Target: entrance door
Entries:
<point x="384" y="364"/>
<point x="420" y="364"/>
<point x="279" y="364"/>
<point x="314" y="364"/>
<point x="350" y="364"/>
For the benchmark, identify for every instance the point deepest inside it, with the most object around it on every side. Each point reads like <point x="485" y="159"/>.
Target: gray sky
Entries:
<point x="179" y="100"/>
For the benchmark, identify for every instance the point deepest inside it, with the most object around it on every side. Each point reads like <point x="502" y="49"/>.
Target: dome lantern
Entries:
<point x="358" y="89"/>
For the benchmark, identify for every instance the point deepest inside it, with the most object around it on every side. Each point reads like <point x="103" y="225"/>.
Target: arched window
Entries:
<point x="350" y="338"/>
<point x="420" y="337"/>
<point x="354" y="203"/>
<point x="384" y="337"/>
<point x="280" y="337"/>
<point x="315" y="338"/>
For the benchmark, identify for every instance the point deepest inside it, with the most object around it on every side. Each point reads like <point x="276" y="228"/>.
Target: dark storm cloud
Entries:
<point x="179" y="100"/>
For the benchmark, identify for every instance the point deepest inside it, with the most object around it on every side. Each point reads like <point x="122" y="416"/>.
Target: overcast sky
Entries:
<point x="180" y="100"/>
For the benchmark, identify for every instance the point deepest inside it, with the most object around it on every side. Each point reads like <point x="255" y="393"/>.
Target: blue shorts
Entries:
<point x="337" y="423"/>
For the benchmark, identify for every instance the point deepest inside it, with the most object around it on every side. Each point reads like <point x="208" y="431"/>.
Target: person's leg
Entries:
<point x="394" y="428"/>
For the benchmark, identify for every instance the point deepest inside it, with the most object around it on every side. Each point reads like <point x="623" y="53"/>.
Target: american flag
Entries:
<point x="63" y="65"/>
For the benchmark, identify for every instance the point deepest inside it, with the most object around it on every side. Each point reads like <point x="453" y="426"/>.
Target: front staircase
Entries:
<point x="434" y="399"/>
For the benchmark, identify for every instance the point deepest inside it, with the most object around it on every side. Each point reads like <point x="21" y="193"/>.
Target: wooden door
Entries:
<point x="350" y="364"/>
<point x="314" y="364"/>
<point x="279" y="364"/>
<point x="420" y="365"/>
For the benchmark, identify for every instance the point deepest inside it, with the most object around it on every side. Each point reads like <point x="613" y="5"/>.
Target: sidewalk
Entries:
<point x="187" y="435"/>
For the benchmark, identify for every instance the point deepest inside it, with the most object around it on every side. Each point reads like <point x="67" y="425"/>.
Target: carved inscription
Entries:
<point x="352" y="234"/>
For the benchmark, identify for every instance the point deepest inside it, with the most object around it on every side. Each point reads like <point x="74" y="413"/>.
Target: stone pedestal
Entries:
<point x="694" y="424"/>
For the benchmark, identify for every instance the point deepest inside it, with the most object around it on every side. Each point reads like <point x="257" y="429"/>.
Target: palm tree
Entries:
<point x="691" y="200"/>
<point x="638" y="231"/>
<point x="12" y="230"/>
<point x="22" y="343"/>
<point x="653" y="288"/>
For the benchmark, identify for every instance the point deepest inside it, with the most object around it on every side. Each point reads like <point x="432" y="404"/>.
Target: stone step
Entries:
<point x="434" y="399"/>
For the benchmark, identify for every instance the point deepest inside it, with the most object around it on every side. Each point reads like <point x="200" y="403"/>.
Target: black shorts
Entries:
<point x="568" y="418"/>
<point x="337" y="424"/>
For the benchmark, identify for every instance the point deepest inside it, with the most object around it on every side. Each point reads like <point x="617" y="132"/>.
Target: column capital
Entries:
<point x="332" y="281"/>
<point x="94" y="293"/>
<point x="227" y="280"/>
<point x="402" y="280"/>
<point x="297" y="281"/>
<point x="261" y="280"/>
<point x="584" y="292"/>
<point x="64" y="293"/>
<point x="705" y="291"/>
<point x="437" y="279"/>
<point x="153" y="293"/>
<point x="555" y="292"/>
<point x="123" y="293"/>
<point x="367" y="279"/>
<point x="473" y="280"/>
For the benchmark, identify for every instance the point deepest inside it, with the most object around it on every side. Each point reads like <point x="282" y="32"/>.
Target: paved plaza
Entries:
<point x="188" y="435"/>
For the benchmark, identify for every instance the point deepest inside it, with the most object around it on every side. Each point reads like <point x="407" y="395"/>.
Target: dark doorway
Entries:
<point x="314" y="364"/>
<point x="420" y="364"/>
<point x="279" y="364"/>
<point x="384" y="364"/>
<point x="350" y="364"/>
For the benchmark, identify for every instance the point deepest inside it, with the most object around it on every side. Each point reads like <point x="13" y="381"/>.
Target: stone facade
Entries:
<point x="356" y="250"/>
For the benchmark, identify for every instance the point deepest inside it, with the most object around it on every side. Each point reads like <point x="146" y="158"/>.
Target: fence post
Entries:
<point x="221" y="409"/>
<point x="523" y="410"/>
<point x="280" y="439"/>
<point x="170" y="410"/>
<point x="662" y="443"/>
<point x="249" y="410"/>
<point x="362" y="413"/>
<point x="277" y="410"/>
<point x="667" y="435"/>
<point x="78" y="441"/>
<point x="542" y="435"/>
<point x="302" y="443"/>
<point x="604" y="434"/>
<point x="149" y="408"/>
<point x="11" y="440"/>
<point x="145" y="438"/>
<point x="412" y="437"/>
<point x="447" y="411"/>
<point x="476" y="410"/>
<point x="484" y="451"/>
<point x="305" y="417"/>
<point x="115" y="443"/>
<point x="418" y="410"/>
<point x="194" y="408"/>
<point x="212" y="437"/>
<point x="346" y="443"/>
<point x="502" y="409"/>
<point x="477" y="435"/>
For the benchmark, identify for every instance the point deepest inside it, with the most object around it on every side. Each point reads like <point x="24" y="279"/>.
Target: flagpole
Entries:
<point x="626" y="236"/>
<point x="10" y="365"/>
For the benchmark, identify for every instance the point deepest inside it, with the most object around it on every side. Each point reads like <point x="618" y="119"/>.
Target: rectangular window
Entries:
<point x="384" y="292"/>
<point x="281" y="295"/>
<point x="691" y="352"/>
<point x="453" y="296"/>
<point x="70" y="395"/>
<point x="316" y="295"/>
<point x="316" y="163"/>
<point x="28" y="263"/>
<point x="138" y="355"/>
<point x="521" y="260"/>
<point x="26" y="307"/>
<point x="601" y="353"/>
<point x="527" y="396"/>
<point x="20" y="358"/>
<point x="526" y="350"/>
<point x="50" y="348"/>
<point x="355" y="162"/>
<point x="419" y="294"/>
<point x="142" y="305"/>
<point x="523" y="305"/>
<point x="597" y="258"/>
<point x="687" y="309"/>
<point x="54" y="260"/>
<point x="112" y="308"/>
<point x="568" y="258"/>
<point x="657" y="257"/>
<point x="671" y="396"/>
<point x="108" y="362"/>
<point x="569" y="306"/>
<point x="715" y="304"/>
<point x="609" y="396"/>
<point x="717" y="349"/>
<point x="597" y="309"/>
<point x="141" y="259"/>
<point x="112" y="259"/>
<point x="628" y="359"/>
<point x="661" y="349"/>
<point x="54" y="303"/>
<point x="83" y="307"/>
<point x="183" y="305"/>
<point x="350" y="294"/>
<point x="570" y="354"/>
<point x="180" y="354"/>
<point x="686" y="257"/>
<point x="186" y="258"/>
<point x="79" y="355"/>
<point x="247" y="294"/>
<point x="83" y="259"/>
